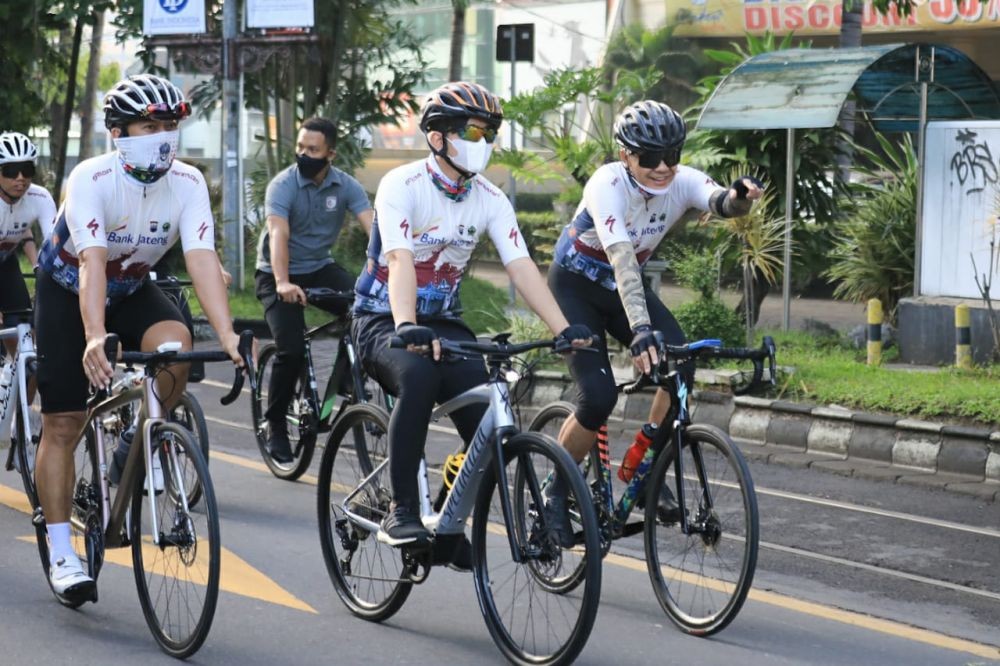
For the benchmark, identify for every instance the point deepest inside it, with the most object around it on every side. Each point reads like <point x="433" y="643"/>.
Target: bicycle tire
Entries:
<point x="372" y="586"/>
<point x="189" y="414"/>
<point x="26" y="438"/>
<point x="532" y="636"/>
<point x="551" y="415"/>
<point x="697" y="589"/>
<point x="86" y="518"/>
<point x="303" y="421"/>
<point x="188" y="555"/>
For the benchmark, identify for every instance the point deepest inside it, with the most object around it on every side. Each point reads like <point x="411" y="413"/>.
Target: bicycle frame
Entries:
<point x="25" y="353"/>
<point x="324" y="409"/>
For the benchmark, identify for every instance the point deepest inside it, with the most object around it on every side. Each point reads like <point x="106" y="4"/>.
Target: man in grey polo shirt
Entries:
<point x="305" y="207"/>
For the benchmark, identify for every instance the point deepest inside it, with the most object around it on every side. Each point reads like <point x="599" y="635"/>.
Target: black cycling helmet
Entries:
<point x="649" y="126"/>
<point x="144" y="96"/>
<point x="456" y="102"/>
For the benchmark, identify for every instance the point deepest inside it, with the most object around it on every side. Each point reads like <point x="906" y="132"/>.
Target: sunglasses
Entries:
<point x="164" y="111"/>
<point x="11" y="169"/>
<point x="475" y="133"/>
<point x="652" y="159"/>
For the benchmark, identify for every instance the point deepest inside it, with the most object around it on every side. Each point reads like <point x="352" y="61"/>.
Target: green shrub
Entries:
<point x="710" y="318"/>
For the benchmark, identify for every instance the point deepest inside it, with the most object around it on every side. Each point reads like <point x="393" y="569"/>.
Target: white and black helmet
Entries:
<point x="15" y="147"/>
<point x="144" y="96"/>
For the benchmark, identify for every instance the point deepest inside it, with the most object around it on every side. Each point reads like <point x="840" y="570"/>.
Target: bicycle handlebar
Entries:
<point x="149" y="359"/>
<point x="497" y="347"/>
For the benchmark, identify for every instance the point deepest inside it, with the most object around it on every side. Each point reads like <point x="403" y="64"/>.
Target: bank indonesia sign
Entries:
<point x="173" y="17"/>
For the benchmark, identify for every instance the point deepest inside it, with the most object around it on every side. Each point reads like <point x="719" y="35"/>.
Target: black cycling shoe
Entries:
<point x="557" y="515"/>
<point x="453" y="550"/>
<point x="278" y="446"/>
<point x="668" y="511"/>
<point x="403" y="527"/>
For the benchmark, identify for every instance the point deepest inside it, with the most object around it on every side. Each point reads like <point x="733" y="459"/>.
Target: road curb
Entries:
<point x="876" y="446"/>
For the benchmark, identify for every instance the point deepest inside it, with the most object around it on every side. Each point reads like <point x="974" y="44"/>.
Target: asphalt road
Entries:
<point x="850" y="572"/>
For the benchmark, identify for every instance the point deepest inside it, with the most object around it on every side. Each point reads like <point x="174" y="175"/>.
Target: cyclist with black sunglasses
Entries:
<point x="123" y="211"/>
<point x="22" y="205"/>
<point x="429" y="217"/>
<point x="627" y="209"/>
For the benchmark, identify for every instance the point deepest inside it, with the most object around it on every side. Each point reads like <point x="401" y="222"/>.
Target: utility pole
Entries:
<point x="231" y="187"/>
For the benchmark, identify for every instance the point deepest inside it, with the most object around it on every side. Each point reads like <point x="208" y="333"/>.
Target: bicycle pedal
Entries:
<point x="37" y="518"/>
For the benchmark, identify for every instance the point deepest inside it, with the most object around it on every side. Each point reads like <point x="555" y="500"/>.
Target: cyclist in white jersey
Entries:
<point x="123" y="211"/>
<point x="429" y="216"/>
<point x="22" y="206"/>
<point x="628" y="207"/>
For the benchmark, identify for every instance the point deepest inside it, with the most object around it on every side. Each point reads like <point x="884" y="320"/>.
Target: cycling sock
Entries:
<point x="59" y="541"/>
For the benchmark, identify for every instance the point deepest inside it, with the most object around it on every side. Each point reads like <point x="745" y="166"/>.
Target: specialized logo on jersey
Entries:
<point x="513" y="236"/>
<point x="201" y="230"/>
<point x="610" y="224"/>
<point x="92" y="225"/>
<point x="331" y="203"/>
<point x="405" y="226"/>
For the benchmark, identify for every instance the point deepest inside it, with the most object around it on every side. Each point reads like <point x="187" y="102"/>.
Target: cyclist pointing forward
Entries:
<point x="123" y="211"/>
<point x="628" y="207"/>
<point x="429" y="216"/>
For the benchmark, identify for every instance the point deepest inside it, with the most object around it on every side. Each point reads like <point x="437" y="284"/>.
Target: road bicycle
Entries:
<point x="528" y="624"/>
<point x="701" y="563"/>
<point x="26" y="422"/>
<point x="175" y="549"/>
<point x="308" y="415"/>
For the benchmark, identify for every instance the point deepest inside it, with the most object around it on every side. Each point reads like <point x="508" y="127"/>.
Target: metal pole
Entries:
<point x="918" y="232"/>
<point x="513" y="138"/>
<point x="786" y="290"/>
<point x="230" y="141"/>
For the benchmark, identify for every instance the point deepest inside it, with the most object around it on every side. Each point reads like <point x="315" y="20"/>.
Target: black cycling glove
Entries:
<point x="418" y="336"/>
<point x="741" y="189"/>
<point x="645" y="337"/>
<point x="575" y="332"/>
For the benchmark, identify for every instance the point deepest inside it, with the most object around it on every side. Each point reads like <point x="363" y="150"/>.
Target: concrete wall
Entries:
<point x="927" y="330"/>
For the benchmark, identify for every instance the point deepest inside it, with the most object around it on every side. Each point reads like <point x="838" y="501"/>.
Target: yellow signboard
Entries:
<point x="729" y="18"/>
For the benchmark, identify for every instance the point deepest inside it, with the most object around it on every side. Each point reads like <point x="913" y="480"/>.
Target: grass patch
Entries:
<point x="829" y="371"/>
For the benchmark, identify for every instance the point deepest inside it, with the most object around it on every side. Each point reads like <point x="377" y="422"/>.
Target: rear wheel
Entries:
<point x="529" y="622"/>
<point x="370" y="577"/>
<point x="701" y="579"/>
<point x="177" y="577"/>
<point x="301" y="419"/>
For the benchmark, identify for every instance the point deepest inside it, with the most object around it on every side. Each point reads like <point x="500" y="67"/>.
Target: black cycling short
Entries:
<point x="585" y="302"/>
<point x="13" y="291"/>
<point x="60" y="338"/>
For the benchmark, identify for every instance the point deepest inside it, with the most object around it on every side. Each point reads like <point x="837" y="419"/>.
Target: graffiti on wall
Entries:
<point x="973" y="164"/>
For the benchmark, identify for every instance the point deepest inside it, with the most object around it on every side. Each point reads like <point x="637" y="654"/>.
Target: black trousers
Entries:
<point x="418" y="382"/>
<point x="586" y="302"/>
<point x="288" y="325"/>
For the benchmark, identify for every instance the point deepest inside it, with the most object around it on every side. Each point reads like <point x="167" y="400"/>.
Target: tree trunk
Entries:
<point x="74" y="61"/>
<point x="457" y="40"/>
<point x="90" y="89"/>
<point x="850" y="37"/>
<point x="759" y="288"/>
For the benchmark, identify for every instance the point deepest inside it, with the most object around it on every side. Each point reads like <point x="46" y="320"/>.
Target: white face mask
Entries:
<point x="654" y="191"/>
<point x="473" y="156"/>
<point x="149" y="156"/>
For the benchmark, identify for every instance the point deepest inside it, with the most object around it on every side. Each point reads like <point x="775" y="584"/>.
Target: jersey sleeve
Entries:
<point x="698" y="187"/>
<point x="279" y="197"/>
<point x="505" y="233"/>
<point x="605" y="198"/>
<point x="84" y="212"/>
<point x="357" y="198"/>
<point x="394" y="213"/>
<point x="46" y="214"/>
<point x="197" y="227"/>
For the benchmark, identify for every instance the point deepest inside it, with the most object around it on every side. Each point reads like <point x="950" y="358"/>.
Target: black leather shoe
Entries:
<point x="278" y="446"/>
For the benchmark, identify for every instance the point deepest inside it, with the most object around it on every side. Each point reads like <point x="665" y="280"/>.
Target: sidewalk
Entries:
<point x="840" y="315"/>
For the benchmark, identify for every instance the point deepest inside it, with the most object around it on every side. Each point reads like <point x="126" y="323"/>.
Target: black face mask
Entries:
<point x="310" y="166"/>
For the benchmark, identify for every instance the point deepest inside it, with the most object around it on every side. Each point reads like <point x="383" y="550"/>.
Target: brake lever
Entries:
<point x="245" y="349"/>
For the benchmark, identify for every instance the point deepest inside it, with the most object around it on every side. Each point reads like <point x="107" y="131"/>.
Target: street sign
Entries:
<point x="279" y="13"/>
<point x="173" y="17"/>
<point x="522" y="36"/>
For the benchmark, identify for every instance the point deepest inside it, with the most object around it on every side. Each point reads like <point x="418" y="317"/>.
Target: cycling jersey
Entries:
<point x="614" y="209"/>
<point x="137" y="223"/>
<point x="413" y="213"/>
<point x="36" y="206"/>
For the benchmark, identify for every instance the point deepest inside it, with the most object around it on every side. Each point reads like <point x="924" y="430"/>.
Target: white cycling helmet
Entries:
<point x="15" y="147"/>
<point x="144" y="96"/>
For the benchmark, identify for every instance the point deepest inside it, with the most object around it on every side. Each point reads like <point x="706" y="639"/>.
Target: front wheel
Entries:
<point x="301" y="418"/>
<point x="26" y="438"/>
<point x="530" y="622"/>
<point x="188" y="413"/>
<point x="177" y="565"/>
<point x="702" y="578"/>
<point x="370" y="577"/>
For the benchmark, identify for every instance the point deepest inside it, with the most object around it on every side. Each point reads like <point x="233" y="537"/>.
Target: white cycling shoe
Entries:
<point x="69" y="581"/>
